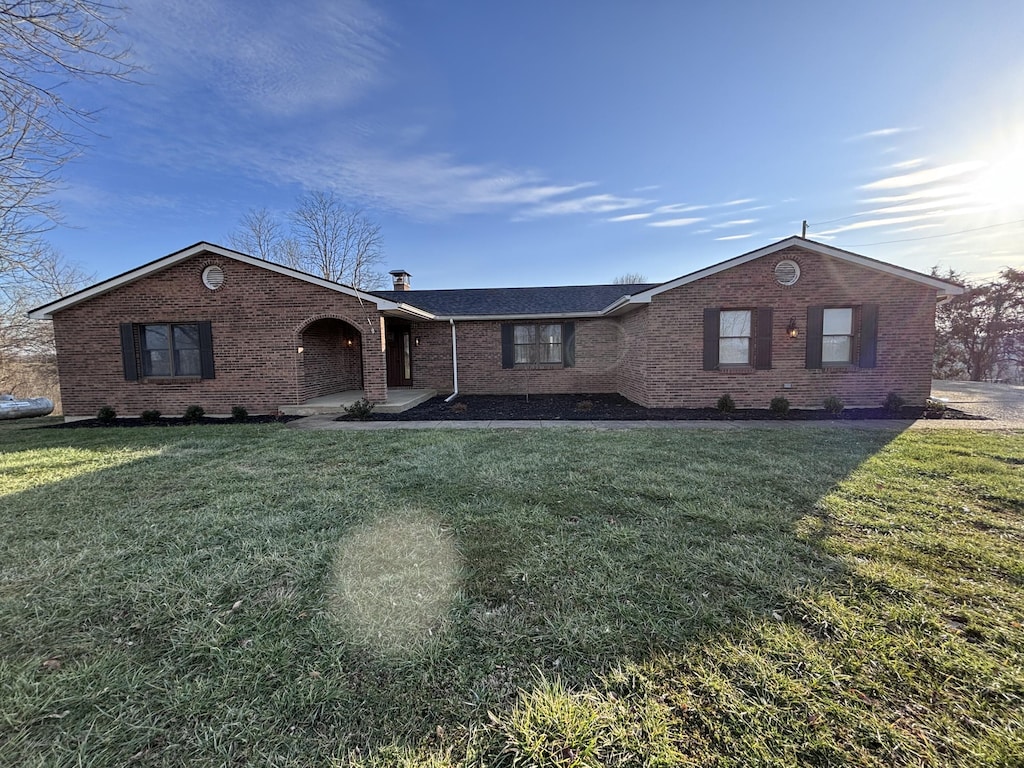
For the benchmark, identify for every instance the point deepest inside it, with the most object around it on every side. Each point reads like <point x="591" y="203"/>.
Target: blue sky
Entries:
<point x="546" y="143"/>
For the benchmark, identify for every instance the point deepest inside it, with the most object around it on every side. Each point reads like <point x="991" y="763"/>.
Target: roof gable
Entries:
<point x="942" y="287"/>
<point x="46" y="311"/>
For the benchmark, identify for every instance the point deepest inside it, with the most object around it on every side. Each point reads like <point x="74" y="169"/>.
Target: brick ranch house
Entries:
<point x="210" y="326"/>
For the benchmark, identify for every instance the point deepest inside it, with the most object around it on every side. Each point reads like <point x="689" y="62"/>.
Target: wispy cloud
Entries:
<point x="741" y="201"/>
<point x="275" y="62"/>
<point x="631" y="217"/>
<point x="927" y="193"/>
<point x="737" y="237"/>
<point x="603" y="203"/>
<point x="674" y="222"/>
<point x="906" y="165"/>
<point x="736" y="223"/>
<point x="885" y="222"/>
<point x="929" y="176"/>
<point x="880" y="133"/>
<point x="679" y="208"/>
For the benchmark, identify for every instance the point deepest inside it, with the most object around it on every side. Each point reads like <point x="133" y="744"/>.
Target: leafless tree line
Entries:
<point x="322" y="235"/>
<point x="44" y="46"/>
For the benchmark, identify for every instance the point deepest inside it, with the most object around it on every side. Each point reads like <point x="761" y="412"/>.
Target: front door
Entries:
<point x="398" y="349"/>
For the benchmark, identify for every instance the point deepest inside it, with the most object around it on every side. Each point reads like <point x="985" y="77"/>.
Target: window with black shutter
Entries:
<point x="167" y="350"/>
<point x="842" y="336"/>
<point x="538" y="345"/>
<point x="737" y="338"/>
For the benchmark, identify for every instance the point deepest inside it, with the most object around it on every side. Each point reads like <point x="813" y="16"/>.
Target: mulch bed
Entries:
<point x="617" y="408"/>
<point x="167" y="422"/>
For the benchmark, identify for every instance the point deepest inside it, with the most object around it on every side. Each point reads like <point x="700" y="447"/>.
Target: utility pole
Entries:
<point x="803" y="234"/>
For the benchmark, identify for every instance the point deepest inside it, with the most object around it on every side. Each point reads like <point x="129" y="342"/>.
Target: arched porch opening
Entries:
<point x="331" y="359"/>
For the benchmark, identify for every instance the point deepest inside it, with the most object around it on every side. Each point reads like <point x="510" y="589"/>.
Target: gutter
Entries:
<point x="534" y="316"/>
<point x="455" y="365"/>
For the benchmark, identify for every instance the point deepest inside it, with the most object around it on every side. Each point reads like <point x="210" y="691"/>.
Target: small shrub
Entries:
<point x="585" y="405"/>
<point x="833" y="405"/>
<point x="934" y="409"/>
<point x="193" y="414"/>
<point x="779" y="406"/>
<point x="459" y="408"/>
<point x="238" y="413"/>
<point x="726" y="404"/>
<point x="893" y="403"/>
<point x="150" y="416"/>
<point x="360" y="409"/>
<point x="106" y="415"/>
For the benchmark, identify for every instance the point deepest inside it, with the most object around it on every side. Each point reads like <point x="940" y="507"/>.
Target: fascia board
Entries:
<point x="826" y="250"/>
<point x="544" y="316"/>
<point x="46" y="311"/>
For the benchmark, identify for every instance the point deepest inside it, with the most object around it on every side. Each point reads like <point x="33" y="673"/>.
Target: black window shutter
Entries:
<point x="763" y="340"/>
<point x="868" y="335"/>
<point x="131" y="363"/>
<point x="508" y="349"/>
<point x="206" y="349"/>
<point x="569" y="344"/>
<point x="815" y="322"/>
<point x="711" y="327"/>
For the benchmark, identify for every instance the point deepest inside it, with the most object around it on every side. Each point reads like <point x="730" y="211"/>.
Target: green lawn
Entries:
<point x="253" y="595"/>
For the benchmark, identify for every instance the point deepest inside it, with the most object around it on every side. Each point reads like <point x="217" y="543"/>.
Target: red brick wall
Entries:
<point x="632" y="378"/>
<point x="652" y="355"/>
<point x="598" y="347"/>
<point x="258" y="317"/>
<point x="331" y="358"/>
<point x="432" y="357"/>
<point x="906" y="321"/>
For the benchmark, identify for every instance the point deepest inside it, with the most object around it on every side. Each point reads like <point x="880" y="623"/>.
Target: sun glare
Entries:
<point x="1000" y="185"/>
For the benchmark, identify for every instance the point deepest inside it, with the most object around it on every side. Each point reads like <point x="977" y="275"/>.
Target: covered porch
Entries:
<point x="399" y="399"/>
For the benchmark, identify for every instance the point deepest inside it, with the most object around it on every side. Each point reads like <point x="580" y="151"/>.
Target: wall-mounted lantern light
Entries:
<point x="417" y="341"/>
<point x="791" y="329"/>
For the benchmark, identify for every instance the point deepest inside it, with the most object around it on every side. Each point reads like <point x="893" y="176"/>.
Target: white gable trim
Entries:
<point x="941" y="286"/>
<point x="47" y="311"/>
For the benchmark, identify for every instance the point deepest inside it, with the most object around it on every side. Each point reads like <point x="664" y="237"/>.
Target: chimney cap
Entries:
<point x="397" y="272"/>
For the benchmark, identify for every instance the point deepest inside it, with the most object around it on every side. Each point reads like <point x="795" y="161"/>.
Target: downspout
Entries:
<point x="455" y="365"/>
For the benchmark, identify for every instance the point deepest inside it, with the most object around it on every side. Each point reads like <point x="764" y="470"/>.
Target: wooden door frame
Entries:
<point x="398" y="356"/>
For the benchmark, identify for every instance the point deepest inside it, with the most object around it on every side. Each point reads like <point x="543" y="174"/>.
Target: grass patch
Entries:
<point x="253" y="594"/>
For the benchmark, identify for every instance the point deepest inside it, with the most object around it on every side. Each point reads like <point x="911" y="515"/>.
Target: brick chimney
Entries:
<point x="401" y="278"/>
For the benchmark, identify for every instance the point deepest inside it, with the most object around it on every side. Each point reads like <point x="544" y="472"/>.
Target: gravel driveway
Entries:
<point x="1004" y="402"/>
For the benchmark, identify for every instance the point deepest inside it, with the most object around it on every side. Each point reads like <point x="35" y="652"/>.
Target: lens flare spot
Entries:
<point x="394" y="582"/>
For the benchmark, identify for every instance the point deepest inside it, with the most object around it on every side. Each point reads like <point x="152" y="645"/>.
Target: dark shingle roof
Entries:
<point x="502" y="302"/>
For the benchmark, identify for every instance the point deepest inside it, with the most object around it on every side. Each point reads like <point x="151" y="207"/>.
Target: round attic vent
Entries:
<point x="787" y="272"/>
<point x="213" y="277"/>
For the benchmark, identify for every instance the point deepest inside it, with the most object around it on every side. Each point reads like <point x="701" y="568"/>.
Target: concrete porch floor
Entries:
<point x="399" y="399"/>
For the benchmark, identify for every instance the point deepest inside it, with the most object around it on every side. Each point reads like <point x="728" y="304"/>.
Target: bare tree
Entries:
<point x="629" y="278"/>
<point x="327" y="238"/>
<point x="337" y="242"/>
<point x="45" y="45"/>
<point x="28" y="361"/>
<point x="258" y="234"/>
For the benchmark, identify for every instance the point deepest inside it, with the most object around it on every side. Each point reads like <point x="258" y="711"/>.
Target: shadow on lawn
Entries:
<point x="399" y="598"/>
<point x="667" y="544"/>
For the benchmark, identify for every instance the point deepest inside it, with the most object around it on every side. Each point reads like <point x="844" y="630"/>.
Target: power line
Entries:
<point x="932" y="237"/>
<point x="833" y="221"/>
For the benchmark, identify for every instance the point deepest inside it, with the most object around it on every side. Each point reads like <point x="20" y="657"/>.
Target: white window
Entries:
<point x="837" y="336"/>
<point x="734" y="337"/>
